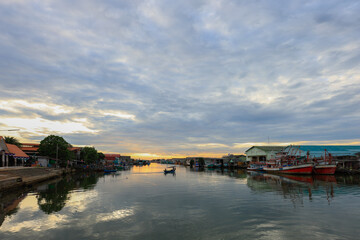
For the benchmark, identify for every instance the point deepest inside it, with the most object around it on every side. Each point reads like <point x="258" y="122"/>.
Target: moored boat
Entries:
<point x="324" y="165"/>
<point x="256" y="166"/>
<point x="294" y="169"/>
<point x="325" y="169"/>
<point x="289" y="162"/>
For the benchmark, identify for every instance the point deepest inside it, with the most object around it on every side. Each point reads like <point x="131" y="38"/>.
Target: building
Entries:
<point x="4" y="151"/>
<point x="17" y="156"/>
<point x="234" y="160"/>
<point x="11" y="155"/>
<point x="262" y="153"/>
<point x="31" y="149"/>
<point x="76" y="151"/>
<point x="110" y="158"/>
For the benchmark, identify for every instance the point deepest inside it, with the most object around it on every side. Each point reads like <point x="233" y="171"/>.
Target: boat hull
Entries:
<point x="325" y="169"/>
<point x="300" y="169"/>
<point x="255" y="169"/>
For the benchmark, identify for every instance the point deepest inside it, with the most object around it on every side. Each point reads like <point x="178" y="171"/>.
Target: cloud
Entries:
<point x="148" y="76"/>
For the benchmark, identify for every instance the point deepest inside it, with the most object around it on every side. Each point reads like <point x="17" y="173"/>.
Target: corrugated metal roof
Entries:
<point x="335" y="150"/>
<point x="268" y="148"/>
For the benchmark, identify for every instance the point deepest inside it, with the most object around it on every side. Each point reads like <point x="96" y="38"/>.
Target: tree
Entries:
<point x="101" y="156"/>
<point x="12" y="140"/>
<point x="89" y="155"/>
<point x="55" y="146"/>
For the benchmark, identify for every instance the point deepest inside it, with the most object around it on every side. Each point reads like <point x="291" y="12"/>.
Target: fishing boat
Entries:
<point x="169" y="170"/>
<point x="289" y="163"/>
<point x="256" y="166"/>
<point x="211" y="165"/>
<point x="290" y="169"/>
<point x="324" y="165"/>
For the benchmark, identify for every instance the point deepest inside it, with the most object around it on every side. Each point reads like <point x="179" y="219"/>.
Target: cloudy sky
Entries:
<point x="179" y="78"/>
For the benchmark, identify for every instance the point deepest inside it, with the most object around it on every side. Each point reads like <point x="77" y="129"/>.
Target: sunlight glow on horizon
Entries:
<point x="39" y="126"/>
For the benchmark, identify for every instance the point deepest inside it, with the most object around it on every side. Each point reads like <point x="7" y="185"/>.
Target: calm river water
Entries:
<point x="143" y="203"/>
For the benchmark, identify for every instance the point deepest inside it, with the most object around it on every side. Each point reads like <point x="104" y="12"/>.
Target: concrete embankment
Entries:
<point x="11" y="178"/>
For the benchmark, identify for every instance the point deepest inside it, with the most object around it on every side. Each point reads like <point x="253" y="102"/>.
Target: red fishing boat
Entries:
<point x="324" y="165"/>
<point x="294" y="169"/>
<point x="289" y="163"/>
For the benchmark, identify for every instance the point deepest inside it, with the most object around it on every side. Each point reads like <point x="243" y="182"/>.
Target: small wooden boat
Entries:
<point x="109" y="170"/>
<point x="170" y="170"/>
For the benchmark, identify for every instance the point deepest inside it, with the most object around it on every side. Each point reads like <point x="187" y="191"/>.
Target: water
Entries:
<point x="143" y="203"/>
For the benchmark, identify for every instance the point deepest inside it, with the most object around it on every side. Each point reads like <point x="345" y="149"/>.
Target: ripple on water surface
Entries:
<point x="143" y="203"/>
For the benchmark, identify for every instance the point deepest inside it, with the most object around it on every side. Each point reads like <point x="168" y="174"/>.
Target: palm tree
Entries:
<point x="12" y="140"/>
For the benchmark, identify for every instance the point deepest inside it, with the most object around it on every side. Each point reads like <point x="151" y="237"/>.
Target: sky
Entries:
<point x="156" y="79"/>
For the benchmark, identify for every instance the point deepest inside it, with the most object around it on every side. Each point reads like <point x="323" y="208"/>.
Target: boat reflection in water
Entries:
<point x="294" y="187"/>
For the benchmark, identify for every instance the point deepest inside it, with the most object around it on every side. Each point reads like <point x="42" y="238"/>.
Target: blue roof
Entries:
<point x="335" y="150"/>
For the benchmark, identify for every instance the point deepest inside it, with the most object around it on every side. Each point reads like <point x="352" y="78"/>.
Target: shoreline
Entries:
<point x="18" y="177"/>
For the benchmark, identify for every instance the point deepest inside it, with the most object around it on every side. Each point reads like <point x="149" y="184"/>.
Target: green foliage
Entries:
<point x="12" y="140"/>
<point x="54" y="145"/>
<point x="89" y="155"/>
<point x="54" y="198"/>
<point x="101" y="156"/>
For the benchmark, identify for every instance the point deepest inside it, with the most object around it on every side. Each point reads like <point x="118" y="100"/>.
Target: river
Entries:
<point x="143" y="203"/>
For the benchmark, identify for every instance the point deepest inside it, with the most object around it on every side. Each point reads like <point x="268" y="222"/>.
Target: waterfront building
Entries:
<point x="17" y="156"/>
<point x="11" y="155"/>
<point x="111" y="158"/>
<point x="234" y="160"/>
<point x="262" y="153"/>
<point x="31" y="149"/>
<point x="4" y="151"/>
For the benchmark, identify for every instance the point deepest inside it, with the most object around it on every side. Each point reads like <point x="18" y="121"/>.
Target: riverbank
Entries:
<point x="12" y="178"/>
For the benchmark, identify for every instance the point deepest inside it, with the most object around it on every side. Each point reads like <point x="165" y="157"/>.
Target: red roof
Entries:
<point x="31" y="144"/>
<point x="33" y="147"/>
<point x="74" y="148"/>
<point x="15" y="150"/>
<point x="30" y="149"/>
<point x="111" y="156"/>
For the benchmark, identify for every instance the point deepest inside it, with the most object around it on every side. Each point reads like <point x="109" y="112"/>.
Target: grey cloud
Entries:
<point x="176" y="66"/>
